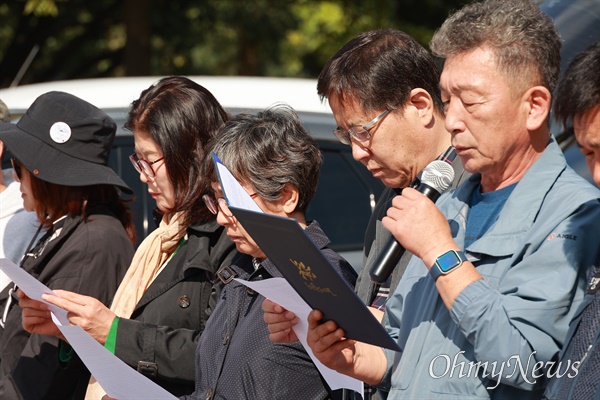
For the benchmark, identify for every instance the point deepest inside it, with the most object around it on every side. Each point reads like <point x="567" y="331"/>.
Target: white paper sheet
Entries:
<point x="119" y="380"/>
<point x="4" y="280"/>
<point x="235" y="194"/>
<point x="31" y="286"/>
<point x="282" y="293"/>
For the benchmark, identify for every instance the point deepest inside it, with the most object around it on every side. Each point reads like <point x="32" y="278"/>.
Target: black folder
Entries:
<point x="314" y="278"/>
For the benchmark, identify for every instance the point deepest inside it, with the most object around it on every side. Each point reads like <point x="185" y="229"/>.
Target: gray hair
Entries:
<point x="524" y="39"/>
<point x="267" y="151"/>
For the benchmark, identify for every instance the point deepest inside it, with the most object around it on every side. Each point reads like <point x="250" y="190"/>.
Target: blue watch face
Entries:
<point x="447" y="261"/>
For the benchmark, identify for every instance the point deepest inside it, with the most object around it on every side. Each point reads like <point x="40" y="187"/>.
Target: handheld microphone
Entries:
<point x="436" y="178"/>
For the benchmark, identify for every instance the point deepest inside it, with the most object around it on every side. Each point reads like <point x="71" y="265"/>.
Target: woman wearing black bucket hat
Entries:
<point x="60" y="149"/>
<point x="168" y="293"/>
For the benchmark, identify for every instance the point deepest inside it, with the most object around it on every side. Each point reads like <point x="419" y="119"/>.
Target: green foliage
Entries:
<point x="41" y="8"/>
<point x="82" y="38"/>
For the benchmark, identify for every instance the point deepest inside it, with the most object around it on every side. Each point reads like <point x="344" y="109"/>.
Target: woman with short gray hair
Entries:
<point x="277" y="162"/>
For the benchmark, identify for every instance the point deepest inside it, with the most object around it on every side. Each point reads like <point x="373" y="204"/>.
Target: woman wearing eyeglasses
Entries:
<point x="277" y="161"/>
<point x="60" y="148"/>
<point x="170" y="289"/>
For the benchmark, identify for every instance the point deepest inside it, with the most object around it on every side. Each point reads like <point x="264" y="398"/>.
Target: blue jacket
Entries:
<point x="501" y="331"/>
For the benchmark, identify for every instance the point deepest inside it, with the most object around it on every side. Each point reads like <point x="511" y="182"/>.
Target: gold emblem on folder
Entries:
<point x="306" y="274"/>
<point x="304" y="270"/>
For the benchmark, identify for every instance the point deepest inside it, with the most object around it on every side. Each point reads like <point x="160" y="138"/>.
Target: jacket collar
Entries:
<point x="520" y="210"/>
<point x="194" y="259"/>
<point x="206" y="227"/>
<point x="35" y="262"/>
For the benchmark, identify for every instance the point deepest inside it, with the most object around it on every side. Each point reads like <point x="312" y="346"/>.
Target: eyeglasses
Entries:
<point x="144" y="166"/>
<point x="360" y="133"/>
<point x="214" y="205"/>
<point x="16" y="167"/>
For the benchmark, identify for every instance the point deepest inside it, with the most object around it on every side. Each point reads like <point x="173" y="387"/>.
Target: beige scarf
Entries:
<point x="147" y="262"/>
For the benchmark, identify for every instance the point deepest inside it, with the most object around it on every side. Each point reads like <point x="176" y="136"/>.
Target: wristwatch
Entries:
<point x="446" y="263"/>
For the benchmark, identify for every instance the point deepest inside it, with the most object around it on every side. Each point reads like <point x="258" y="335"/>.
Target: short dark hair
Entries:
<point x="579" y="89"/>
<point x="181" y="116"/>
<point x="378" y="69"/>
<point x="524" y="40"/>
<point x="269" y="150"/>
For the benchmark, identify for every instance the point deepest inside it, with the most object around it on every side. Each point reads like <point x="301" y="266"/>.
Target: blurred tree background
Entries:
<point x="45" y="40"/>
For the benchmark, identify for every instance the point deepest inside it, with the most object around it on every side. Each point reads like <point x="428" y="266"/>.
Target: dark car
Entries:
<point x="346" y="194"/>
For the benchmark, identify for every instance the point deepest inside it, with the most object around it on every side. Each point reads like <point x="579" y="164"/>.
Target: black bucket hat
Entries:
<point x="65" y="140"/>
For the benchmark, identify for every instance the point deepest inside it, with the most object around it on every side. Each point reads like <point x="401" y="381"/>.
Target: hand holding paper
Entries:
<point x="36" y="316"/>
<point x="280" y="322"/>
<point x="117" y="378"/>
<point x="85" y="311"/>
<point x="281" y="292"/>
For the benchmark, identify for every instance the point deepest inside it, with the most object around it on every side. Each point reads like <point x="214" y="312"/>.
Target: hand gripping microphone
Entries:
<point x="436" y="178"/>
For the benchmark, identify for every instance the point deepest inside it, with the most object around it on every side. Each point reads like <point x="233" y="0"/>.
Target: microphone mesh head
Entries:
<point x="439" y="175"/>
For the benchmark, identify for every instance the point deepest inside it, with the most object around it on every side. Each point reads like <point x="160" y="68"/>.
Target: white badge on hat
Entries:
<point x="60" y="132"/>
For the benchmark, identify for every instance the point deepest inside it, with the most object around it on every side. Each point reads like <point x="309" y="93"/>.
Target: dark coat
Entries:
<point x="165" y="326"/>
<point x="88" y="257"/>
